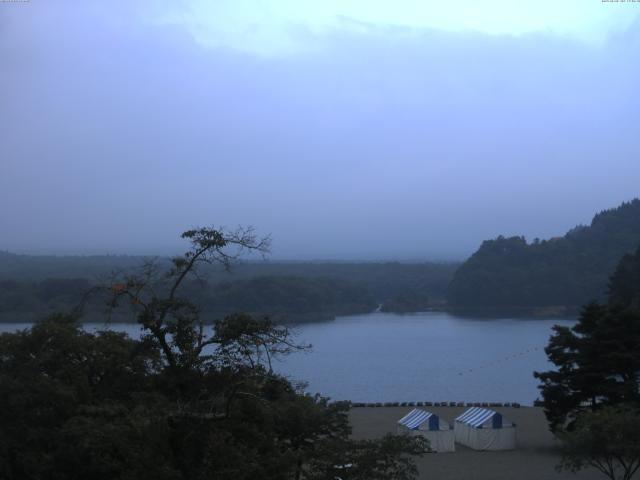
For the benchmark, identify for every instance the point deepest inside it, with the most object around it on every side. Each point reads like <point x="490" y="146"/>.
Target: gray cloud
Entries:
<point x="117" y="134"/>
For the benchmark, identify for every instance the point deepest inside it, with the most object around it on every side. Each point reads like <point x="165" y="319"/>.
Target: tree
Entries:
<point x="598" y="359"/>
<point x="608" y="440"/>
<point x="167" y="319"/>
<point x="186" y="401"/>
<point x="67" y="394"/>
<point x="389" y="457"/>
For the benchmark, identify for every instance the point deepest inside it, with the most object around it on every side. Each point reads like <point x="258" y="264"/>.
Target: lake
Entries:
<point x="434" y="356"/>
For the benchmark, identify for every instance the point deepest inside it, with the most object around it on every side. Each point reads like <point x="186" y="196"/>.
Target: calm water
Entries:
<point x="382" y="357"/>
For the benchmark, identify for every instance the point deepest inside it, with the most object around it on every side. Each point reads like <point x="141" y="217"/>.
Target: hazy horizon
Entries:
<point x="167" y="251"/>
<point x="345" y="130"/>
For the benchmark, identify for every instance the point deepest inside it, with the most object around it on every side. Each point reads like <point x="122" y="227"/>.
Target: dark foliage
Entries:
<point x="42" y="296"/>
<point x="607" y="440"/>
<point x="409" y="302"/>
<point x="184" y="402"/>
<point x="568" y="271"/>
<point x="286" y="298"/>
<point x="288" y="292"/>
<point x="598" y="359"/>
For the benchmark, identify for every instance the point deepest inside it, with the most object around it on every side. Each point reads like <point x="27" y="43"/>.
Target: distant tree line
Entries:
<point x="286" y="299"/>
<point x="39" y="297"/>
<point x="568" y="271"/>
<point x="384" y="280"/>
<point x="31" y="287"/>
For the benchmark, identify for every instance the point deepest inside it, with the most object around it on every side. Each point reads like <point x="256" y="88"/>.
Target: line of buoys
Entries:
<point x="501" y="360"/>
<point x="435" y="404"/>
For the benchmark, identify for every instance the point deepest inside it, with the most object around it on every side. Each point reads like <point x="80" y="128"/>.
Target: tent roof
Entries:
<point x="476" y="416"/>
<point x="415" y="418"/>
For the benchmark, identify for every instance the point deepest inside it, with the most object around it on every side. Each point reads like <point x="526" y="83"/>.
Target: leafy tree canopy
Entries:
<point x="185" y="401"/>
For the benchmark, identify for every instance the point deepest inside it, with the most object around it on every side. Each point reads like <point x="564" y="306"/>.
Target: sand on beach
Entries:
<point x="535" y="457"/>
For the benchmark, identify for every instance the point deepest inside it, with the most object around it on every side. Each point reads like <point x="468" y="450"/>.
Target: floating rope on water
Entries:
<point x="501" y="360"/>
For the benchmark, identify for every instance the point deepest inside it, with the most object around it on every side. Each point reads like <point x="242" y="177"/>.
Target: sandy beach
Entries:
<point x="535" y="458"/>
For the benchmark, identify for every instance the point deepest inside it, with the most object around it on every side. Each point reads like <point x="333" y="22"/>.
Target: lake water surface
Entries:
<point x="381" y="357"/>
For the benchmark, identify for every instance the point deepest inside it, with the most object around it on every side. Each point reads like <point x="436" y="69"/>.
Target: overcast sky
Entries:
<point x="345" y="129"/>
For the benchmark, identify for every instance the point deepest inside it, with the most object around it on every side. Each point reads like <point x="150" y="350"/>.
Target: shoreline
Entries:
<point x="481" y="313"/>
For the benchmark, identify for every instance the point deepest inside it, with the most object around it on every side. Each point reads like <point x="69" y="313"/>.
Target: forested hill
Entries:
<point x="561" y="272"/>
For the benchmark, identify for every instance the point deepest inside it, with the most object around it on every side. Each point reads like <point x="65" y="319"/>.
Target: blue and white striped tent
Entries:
<point x="417" y="417"/>
<point x="428" y="424"/>
<point x="476" y="417"/>
<point x="484" y="429"/>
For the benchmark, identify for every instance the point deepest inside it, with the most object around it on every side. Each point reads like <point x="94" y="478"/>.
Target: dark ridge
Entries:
<point x="562" y="272"/>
